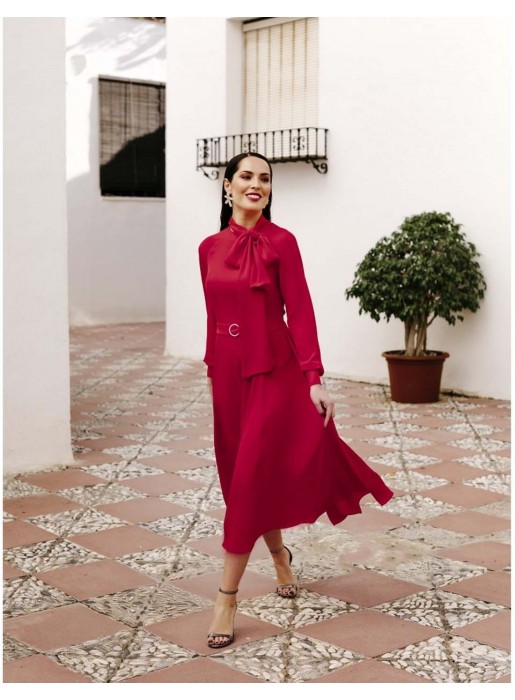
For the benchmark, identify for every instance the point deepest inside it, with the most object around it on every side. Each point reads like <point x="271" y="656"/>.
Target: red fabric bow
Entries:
<point x="252" y="253"/>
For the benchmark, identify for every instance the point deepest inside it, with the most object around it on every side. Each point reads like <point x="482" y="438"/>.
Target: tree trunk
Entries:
<point x="410" y="335"/>
<point x="421" y="336"/>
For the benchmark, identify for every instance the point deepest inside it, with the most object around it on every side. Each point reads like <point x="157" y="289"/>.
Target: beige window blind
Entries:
<point x="281" y="74"/>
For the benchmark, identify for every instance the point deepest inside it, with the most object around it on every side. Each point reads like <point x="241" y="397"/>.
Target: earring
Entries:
<point x="228" y="199"/>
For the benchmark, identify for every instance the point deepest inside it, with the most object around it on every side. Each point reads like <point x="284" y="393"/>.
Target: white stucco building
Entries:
<point x="116" y="243"/>
<point x="417" y="112"/>
<point x="418" y="116"/>
<point x="36" y="348"/>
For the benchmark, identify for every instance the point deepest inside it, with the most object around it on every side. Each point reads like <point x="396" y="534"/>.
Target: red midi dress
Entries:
<point x="278" y="465"/>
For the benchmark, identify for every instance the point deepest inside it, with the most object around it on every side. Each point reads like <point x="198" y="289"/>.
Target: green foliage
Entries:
<point x="424" y="270"/>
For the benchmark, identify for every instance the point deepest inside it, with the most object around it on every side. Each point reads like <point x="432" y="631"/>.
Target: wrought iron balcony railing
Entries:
<point x="305" y="144"/>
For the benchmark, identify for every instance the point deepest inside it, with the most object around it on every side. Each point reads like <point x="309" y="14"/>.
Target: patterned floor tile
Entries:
<point x="388" y="415"/>
<point x="308" y="607"/>
<point x="455" y="415"/>
<point x="288" y="658"/>
<point x="488" y="462"/>
<point x="130" y="452"/>
<point x="206" y="453"/>
<point x="86" y="433"/>
<point x="391" y="427"/>
<point x="398" y="442"/>
<point x="451" y="660"/>
<point x="412" y="481"/>
<point x="13" y="488"/>
<point x="162" y="436"/>
<point x="435" y="537"/>
<point x="79" y="450"/>
<point x="417" y="507"/>
<point x="49" y="555"/>
<point x="497" y="483"/>
<point x="440" y="609"/>
<point x="406" y="460"/>
<point x="177" y="423"/>
<point x="101" y="494"/>
<point x="472" y="428"/>
<point x="317" y="552"/>
<point x="27" y="594"/>
<point x="148" y="604"/>
<point x="76" y="522"/>
<point x="206" y="498"/>
<point x="172" y="562"/>
<point x="206" y="475"/>
<point x="480" y="443"/>
<point x="118" y="471"/>
<point x="433" y="571"/>
<point x="163" y="405"/>
<point x="500" y="509"/>
<point x="191" y="526"/>
<point x="14" y="649"/>
<point x="121" y="656"/>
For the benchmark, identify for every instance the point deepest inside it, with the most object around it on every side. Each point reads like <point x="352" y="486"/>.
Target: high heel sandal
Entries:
<point x="228" y="638"/>
<point x="283" y="588"/>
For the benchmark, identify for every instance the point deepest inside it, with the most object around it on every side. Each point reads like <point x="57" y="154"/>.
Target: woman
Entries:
<point x="280" y="459"/>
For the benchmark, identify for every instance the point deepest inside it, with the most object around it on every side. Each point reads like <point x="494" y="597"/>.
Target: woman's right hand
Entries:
<point x="210" y="385"/>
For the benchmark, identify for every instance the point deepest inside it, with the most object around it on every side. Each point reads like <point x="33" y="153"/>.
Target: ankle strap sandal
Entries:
<point x="286" y="590"/>
<point x="226" y="639"/>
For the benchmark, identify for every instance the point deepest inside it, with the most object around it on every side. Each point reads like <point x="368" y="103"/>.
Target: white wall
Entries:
<point x="202" y="77"/>
<point x="36" y="356"/>
<point x="419" y="117"/>
<point x="117" y="245"/>
<point x="418" y="112"/>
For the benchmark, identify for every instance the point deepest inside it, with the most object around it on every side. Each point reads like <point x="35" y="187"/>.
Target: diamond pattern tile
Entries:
<point x="171" y="562"/>
<point x="77" y="522"/>
<point x="416" y="591"/>
<point x="45" y="556"/>
<point x="417" y="507"/>
<point x="433" y="571"/>
<point x="148" y="604"/>
<point x="496" y="483"/>
<point x="118" y="471"/>
<point x="191" y="525"/>
<point x="307" y="608"/>
<point x="440" y="609"/>
<point x="454" y="660"/>
<point x="403" y="460"/>
<point x="288" y="658"/>
<point x="28" y="592"/>
<point x="101" y="494"/>
<point x="122" y="656"/>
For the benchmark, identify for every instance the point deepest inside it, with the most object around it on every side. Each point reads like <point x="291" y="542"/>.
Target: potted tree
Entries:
<point x="424" y="270"/>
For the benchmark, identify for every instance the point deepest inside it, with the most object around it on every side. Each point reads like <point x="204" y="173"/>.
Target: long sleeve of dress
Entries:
<point x="211" y="320"/>
<point x="299" y="309"/>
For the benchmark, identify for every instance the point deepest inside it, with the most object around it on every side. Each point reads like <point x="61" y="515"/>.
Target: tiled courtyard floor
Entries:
<point x="112" y="563"/>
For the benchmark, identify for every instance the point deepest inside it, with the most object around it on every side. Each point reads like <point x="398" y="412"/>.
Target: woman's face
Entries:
<point x="250" y="186"/>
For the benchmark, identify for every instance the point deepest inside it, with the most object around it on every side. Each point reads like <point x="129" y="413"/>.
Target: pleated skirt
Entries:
<point x="278" y="466"/>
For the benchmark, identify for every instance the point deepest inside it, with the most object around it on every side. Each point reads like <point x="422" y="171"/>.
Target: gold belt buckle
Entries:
<point x="234" y="335"/>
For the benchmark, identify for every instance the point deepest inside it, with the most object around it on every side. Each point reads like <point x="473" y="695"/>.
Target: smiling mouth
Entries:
<point x="254" y="197"/>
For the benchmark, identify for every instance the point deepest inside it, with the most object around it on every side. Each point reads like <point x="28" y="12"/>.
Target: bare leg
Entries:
<point x="281" y="558"/>
<point x="225" y="605"/>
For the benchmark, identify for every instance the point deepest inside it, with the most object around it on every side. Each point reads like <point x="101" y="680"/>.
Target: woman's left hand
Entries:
<point x="323" y="402"/>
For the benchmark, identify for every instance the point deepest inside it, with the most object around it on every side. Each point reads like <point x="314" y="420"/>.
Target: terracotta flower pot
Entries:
<point x="415" y="379"/>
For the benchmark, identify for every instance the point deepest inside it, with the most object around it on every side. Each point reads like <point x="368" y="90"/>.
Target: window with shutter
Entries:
<point x="281" y="74"/>
<point x="280" y="109"/>
<point x="132" y="138"/>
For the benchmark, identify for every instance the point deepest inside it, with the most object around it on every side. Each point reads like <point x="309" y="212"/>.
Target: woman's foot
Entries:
<point x="221" y="632"/>
<point x="287" y="583"/>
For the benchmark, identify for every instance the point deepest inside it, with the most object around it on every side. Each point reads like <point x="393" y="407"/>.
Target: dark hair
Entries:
<point x="230" y="170"/>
